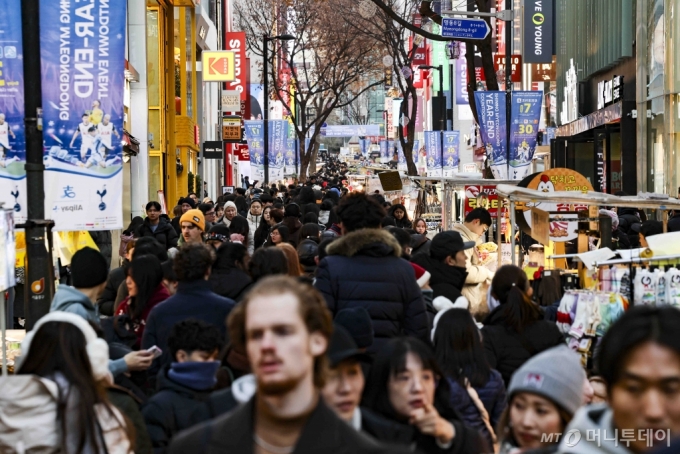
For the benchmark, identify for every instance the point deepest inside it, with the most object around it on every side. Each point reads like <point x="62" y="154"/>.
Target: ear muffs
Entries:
<point x="97" y="349"/>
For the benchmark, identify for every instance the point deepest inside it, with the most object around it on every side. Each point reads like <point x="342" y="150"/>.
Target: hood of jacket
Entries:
<point x="370" y="242"/>
<point x="467" y="234"/>
<point x="598" y="419"/>
<point x="440" y="272"/>
<point x="67" y="296"/>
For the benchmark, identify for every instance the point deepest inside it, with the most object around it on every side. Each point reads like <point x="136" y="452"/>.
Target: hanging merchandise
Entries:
<point x="660" y="287"/>
<point x="672" y="296"/>
<point x="645" y="288"/>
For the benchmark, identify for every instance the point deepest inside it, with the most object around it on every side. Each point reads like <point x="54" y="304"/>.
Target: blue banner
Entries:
<point x="352" y="130"/>
<point x="391" y="151"/>
<point x="401" y="163"/>
<point x="416" y="150"/>
<point x="292" y="157"/>
<point x="278" y="135"/>
<point x="451" y="155"/>
<point x="525" y="114"/>
<point x="433" y="150"/>
<point x="491" y="110"/>
<point x="82" y="48"/>
<point x="12" y="132"/>
<point x="254" y="130"/>
<point x="384" y="151"/>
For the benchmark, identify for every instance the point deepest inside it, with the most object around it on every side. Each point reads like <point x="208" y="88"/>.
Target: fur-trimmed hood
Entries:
<point x="370" y="242"/>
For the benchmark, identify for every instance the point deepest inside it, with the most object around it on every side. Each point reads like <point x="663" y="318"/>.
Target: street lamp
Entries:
<point x="265" y="42"/>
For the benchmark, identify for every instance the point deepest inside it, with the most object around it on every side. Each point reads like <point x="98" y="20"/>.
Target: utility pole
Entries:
<point x="39" y="267"/>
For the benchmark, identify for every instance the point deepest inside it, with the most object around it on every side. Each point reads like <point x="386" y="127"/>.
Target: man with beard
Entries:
<point x="284" y="328"/>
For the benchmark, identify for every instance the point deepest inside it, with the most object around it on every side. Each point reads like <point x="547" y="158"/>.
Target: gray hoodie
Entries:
<point x="597" y="419"/>
<point x="70" y="299"/>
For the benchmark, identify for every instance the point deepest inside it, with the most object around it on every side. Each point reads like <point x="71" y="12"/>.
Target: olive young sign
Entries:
<point x="538" y="30"/>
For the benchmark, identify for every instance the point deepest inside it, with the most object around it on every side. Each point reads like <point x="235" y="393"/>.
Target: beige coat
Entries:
<point x="28" y="418"/>
<point x="479" y="277"/>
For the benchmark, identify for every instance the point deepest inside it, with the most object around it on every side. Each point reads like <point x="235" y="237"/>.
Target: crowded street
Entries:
<point x="302" y="227"/>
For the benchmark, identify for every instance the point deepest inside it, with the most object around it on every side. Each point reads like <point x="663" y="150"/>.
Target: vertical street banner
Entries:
<point x="363" y="146"/>
<point x="12" y="131"/>
<point x="401" y="163"/>
<point x="451" y="154"/>
<point x="291" y="157"/>
<point x="537" y="27"/>
<point x="82" y="48"/>
<point x="384" y="151"/>
<point x="525" y="113"/>
<point x="416" y="150"/>
<point x="491" y="110"/>
<point x="433" y="150"/>
<point x="254" y="130"/>
<point x="278" y="136"/>
<point x="391" y="150"/>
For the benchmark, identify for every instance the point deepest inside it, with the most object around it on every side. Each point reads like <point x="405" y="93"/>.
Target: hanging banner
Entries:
<point x="525" y="113"/>
<point x="384" y="151"/>
<point x="416" y="150"/>
<point x="292" y="157"/>
<point x="451" y="154"/>
<point x="255" y="137"/>
<point x="433" y="149"/>
<point x="278" y="136"/>
<point x="491" y="111"/>
<point x="364" y="145"/>
<point x="391" y="151"/>
<point x="12" y="131"/>
<point x="352" y="130"/>
<point x="401" y="162"/>
<point x="82" y="48"/>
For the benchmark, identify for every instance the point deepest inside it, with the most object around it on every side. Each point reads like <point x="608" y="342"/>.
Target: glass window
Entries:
<point x="189" y="33"/>
<point x="155" y="175"/>
<point x="155" y="131"/>
<point x="153" y="74"/>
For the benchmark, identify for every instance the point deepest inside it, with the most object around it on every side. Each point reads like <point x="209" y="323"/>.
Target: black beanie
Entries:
<point x="88" y="268"/>
<point x="358" y="324"/>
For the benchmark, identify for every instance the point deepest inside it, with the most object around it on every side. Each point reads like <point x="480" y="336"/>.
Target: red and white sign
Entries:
<point x="516" y="65"/>
<point x="241" y="151"/>
<point x="236" y="42"/>
<point x="473" y="192"/>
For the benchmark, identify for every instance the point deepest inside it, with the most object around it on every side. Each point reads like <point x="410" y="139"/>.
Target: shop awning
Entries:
<point x="610" y="114"/>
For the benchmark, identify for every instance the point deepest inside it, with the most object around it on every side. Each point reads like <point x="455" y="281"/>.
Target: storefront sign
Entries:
<point x="544" y="72"/>
<point x="218" y="65"/>
<point x="231" y="101"/>
<point x="488" y="199"/>
<point x="515" y="66"/>
<point x="255" y="136"/>
<point x="213" y="150"/>
<point x="562" y="226"/>
<point x="609" y="91"/>
<point x="462" y="96"/>
<point x="231" y="128"/>
<point x="525" y="114"/>
<point x="538" y="31"/>
<point x="610" y="114"/>
<point x="433" y="151"/>
<point x="491" y="110"/>
<point x="236" y="42"/>
<point x="240" y="151"/>
<point x="12" y="131"/>
<point x="83" y="80"/>
<point x="451" y="154"/>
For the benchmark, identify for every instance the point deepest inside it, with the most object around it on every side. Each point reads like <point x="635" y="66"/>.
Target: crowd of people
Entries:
<point x="306" y="319"/>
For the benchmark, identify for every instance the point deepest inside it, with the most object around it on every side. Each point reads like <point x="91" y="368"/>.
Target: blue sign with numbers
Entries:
<point x="465" y="28"/>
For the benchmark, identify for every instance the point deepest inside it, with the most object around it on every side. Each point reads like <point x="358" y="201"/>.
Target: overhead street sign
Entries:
<point x="465" y="28"/>
<point x="218" y="66"/>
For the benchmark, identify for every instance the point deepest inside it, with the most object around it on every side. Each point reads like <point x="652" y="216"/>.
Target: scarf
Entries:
<point x="198" y="375"/>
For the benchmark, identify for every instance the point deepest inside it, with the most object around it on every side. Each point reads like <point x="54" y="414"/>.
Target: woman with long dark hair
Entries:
<point x="277" y="235"/>
<point x="145" y="291"/>
<point x="229" y="277"/>
<point x="515" y="331"/>
<point x="400" y="215"/>
<point x="63" y="352"/>
<point x="420" y="241"/>
<point x="262" y="230"/>
<point x="406" y="385"/>
<point x="477" y="391"/>
<point x="267" y="262"/>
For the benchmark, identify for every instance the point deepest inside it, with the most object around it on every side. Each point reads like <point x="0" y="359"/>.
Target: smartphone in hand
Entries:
<point x="156" y="351"/>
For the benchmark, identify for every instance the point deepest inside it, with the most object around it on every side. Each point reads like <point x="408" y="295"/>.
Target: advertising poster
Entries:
<point x="255" y="137"/>
<point x="292" y="157"/>
<point x="491" y="111"/>
<point x="256" y="99"/>
<point x="416" y="150"/>
<point x="433" y="151"/>
<point x="489" y="199"/>
<point x="364" y="145"/>
<point x="384" y="151"/>
<point x="82" y="48"/>
<point x="278" y="137"/>
<point x="392" y="151"/>
<point x="12" y="134"/>
<point x="451" y="154"/>
<point x="525" y="113"/>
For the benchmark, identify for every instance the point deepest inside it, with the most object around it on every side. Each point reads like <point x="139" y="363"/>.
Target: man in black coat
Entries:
<point x="193" y="299"/>
<point x="446" y="264"/>
<point x="157" y="227"/>
<point x="364" y="268"/>
<point x="286" y="352"/>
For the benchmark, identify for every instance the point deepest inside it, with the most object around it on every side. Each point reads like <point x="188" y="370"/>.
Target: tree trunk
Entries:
<point x="408" y="141"/>
<point x="312" y="160"/>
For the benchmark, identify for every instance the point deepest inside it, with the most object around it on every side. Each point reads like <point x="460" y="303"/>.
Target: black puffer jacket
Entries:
<point x="507" y="350"/>
<point x="230" y="283"/>
<point x="445" y="280"/>
<point x="164" y="234"/>
<point x="106" y="300"/>
<point x="364" y="269"/>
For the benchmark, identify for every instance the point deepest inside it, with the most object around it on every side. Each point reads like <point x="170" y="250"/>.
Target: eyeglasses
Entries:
<point x="210" y="213"/>
<point x="485" y="227"/>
